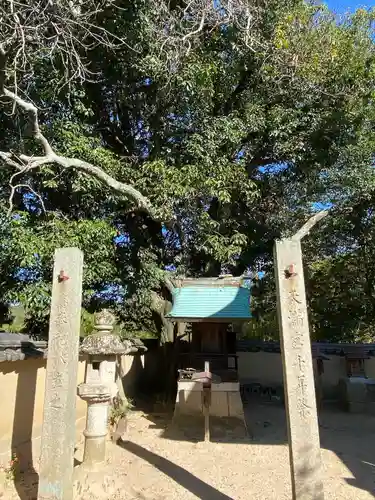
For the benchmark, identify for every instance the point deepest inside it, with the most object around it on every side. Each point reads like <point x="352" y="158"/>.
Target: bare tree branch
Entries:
<point x="69" y="163"/>
<point x="50" y="28"/>
<point x="169" y="285"/>
<point x="26" y="163"/>
<point x="13" y="191"/>
<point x="179" y="29"/>
<point x="198" y="30"/>
<point x="64" y="32"/>
<point x="3" y="62"/>
<point x="306" y="228"/>
<point x="32" y="112"/>
<point x="7" y="159"/>
<point x="59" y="30"/>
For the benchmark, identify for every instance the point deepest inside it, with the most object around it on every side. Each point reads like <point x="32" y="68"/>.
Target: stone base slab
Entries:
<point x="358" y="395"/>
<point x="225" y="400"/>
<point x="188" y="385"/>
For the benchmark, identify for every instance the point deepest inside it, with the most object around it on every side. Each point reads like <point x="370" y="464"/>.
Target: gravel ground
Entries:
<point x="156" y="463"/>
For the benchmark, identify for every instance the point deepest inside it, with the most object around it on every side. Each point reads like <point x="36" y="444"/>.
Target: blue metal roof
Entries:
<point x="211" y="302"/>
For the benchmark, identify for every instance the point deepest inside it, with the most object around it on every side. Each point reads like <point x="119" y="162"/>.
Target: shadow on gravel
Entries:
<point x="187" y="480"/>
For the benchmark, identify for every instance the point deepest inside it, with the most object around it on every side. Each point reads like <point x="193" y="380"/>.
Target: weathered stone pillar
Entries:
<point x="303" y="430"/>
<point x="99" y="389"/>
<point x="59" y="417"/>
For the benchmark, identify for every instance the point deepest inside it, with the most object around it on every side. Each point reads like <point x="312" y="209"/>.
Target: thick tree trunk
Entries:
<point x="161" y="307"/>
<point x="170" y="333"/>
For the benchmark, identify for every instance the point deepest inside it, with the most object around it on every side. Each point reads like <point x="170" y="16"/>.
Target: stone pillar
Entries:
<point x="303" y="430"/>
<point x="100" y="388"/>
<point x="59" y="414"/>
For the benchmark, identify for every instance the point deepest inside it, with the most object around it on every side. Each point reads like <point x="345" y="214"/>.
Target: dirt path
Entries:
<point x="150" y="466"/>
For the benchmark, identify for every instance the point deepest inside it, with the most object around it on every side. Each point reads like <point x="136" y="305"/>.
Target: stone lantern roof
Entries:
<point x="106" y="343"/>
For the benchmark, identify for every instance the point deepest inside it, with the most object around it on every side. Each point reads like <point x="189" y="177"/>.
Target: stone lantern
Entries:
<point x="101" y="348"/>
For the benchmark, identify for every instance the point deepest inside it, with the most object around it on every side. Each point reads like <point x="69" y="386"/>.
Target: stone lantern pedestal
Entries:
<point x="98" y="399"/>
<point x="99" y="388"/>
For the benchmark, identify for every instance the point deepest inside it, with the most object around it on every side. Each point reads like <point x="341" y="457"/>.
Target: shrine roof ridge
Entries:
<point x="219" y="281"/>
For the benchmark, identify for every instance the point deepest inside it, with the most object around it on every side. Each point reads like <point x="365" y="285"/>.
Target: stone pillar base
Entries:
<point x="94" y="450"/>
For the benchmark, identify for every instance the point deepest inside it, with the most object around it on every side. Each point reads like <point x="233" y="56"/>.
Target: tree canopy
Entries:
<point x="173" y="138"/>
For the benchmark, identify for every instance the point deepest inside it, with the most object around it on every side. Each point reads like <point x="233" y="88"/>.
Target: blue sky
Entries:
<point x="340" y="6"/>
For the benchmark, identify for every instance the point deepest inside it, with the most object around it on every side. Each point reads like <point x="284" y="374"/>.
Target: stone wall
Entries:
<point x="22" y="398"/>
<point x="132" y="369"/>
<point x="266" y="368"/>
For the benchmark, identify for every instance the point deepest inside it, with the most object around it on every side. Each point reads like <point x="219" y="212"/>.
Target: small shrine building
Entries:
<point x="211" y="306"/>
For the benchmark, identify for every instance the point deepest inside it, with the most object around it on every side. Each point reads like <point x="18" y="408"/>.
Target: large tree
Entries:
<point x="183" y="135"/>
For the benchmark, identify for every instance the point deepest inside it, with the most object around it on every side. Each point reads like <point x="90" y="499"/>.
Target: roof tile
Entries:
<point x="211" y="302"/>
